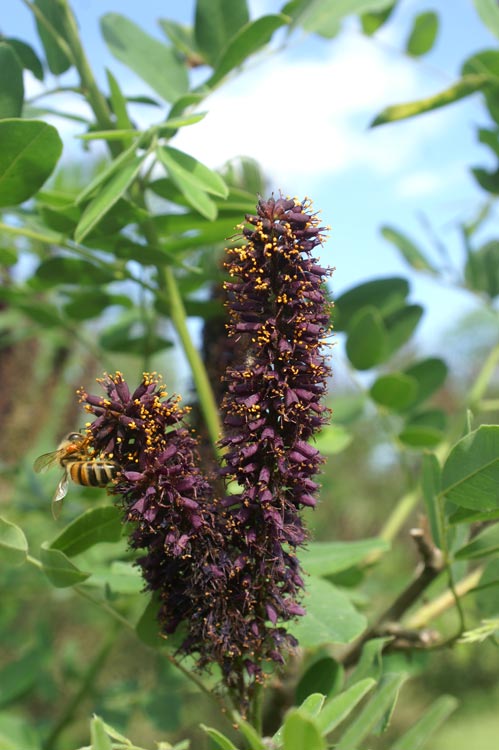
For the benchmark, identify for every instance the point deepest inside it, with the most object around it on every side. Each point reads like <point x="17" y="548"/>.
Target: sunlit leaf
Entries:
<point x="11" y="83"/>
<point x="98" y="735"/>
<point x="328" y="558"/>
<point x="30" y="150"/>
<point x="217" y="21"/>
<point x="324" y="17"/>
<point x="470" y="476"/>
<point x="408" y="249"/>
<point x="332" y="439"/>
<point x="366" y="339"/>
<point x="330" y="618"/>
<point x="464" y="87"/>
<point x="386" y="295"/>
<point x="92" y="527"/>
<point x="60" y="571"/>
<point x="482" y="545"/>
<point x="323" y="676"/>
<point x="380" y="704"/>
<point x="192" y="171"/>
<point x="417" y="735"/>
<point x="27" y="56"/>
<point x="246" y="42"/>
<point x="118" y="103"/>
<point x="488" y="11"/>
<point x="338" y="708"/>
<point x="430" y="374"/>
<point x="301" y="731"/>
<point x="13" y="543"/>
<point x="430" y="482"/>
<point x="423" y="34"/>
<point x="57" y="59"/>
<point x="219" y="739"/>
<point x="154" y="62"/>
<point x="394" y="391"/>
<point x="107" y="197"/>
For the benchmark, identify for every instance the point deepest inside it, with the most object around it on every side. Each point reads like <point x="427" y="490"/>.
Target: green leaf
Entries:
<point x="27" y="56"/>
<point x="348" y="408"/>
<point x="488" y="180"/>
<point x="430" y="374"/>
<point x="386" y="295"/>
<point x="330" y="618"/>
<point x="60" y="571"/>
<point x="301" y="731"/>
<point x="482" y="269"/>
<point x="470" y="476"/>
<point x="323" y="676"/>
<point x="154" y="62"/>
<point x="332" y="439"/>
<point x="483" y="545"/>
<point x="371" y="22"/>
<point x="464" y="87"/>
<point x="63" y="270"/>
<point x="255" y="742"/>
<point x="54" y="13"/>
<point x="218" y="738"/>
<point x="92" y="527"/>
<point x="17" y="677"/>
<point x="11" y="83"/>
<point x="16" y="733"/>
<point x="366" y="339"/>
<point x="380" y="704"/>
<point x="118" y="578"/>
<point x="191" y="171"/>
<point x="400" y="325"/>
<point x="485" y="595"/>
<point x="30" y="150"/>
<point x="370" y="662"/>
<point x="124" y="158"/>
<point x="324" y="17"/>
<point x="147" y="627"/>
<point x="328" y="558"/>
<point x="338" y="708"/>
<point x="395" y="391"/>
<point x="430" y="481"/>
<point x="424" y="429"/>
<point x="423" y="34"/>
<point x="417" y="735"/>
<point x="408" y="250"/>
<point x="463" y="515"/>
<point x="99" y="736"/>
<point x="13" y="543"/>
<point x="91" y="303"/>
<point x="216" y="22"/>
<point x="246" y="42"/>
<point x="118" y="103"/>
<point x="312" y="705"/>
<point x="119" y="338"/>
<point x="489" y="13"/>
<point x="107" y="197"/>
<point x="182" y="37"/>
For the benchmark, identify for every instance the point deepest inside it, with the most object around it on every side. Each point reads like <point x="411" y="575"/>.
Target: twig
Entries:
<point x="432" y="565"/>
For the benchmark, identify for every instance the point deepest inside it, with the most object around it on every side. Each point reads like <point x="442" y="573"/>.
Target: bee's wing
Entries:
<point x="59" y="495"/>
<point x="45" y="461"/>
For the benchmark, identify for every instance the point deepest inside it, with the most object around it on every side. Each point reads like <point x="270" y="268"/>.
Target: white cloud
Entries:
<point x="305" y="119"/>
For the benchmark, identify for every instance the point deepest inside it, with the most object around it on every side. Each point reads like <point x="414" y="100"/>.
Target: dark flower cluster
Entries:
<point x="279" y="312"/>
<point x="162" y="488"/>
<point x="226" y="567"/>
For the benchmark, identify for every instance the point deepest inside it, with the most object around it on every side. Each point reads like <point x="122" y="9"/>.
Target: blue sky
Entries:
<point x="303" y="114"/>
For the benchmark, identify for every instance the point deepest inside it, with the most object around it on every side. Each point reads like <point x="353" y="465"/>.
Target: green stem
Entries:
<point x="198" y="370"/>
<point x="92" y="92"/>
<point x="86" y="685"/>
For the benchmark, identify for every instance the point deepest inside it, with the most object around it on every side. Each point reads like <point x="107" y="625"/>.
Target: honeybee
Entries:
<point x="78" y="465"/>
